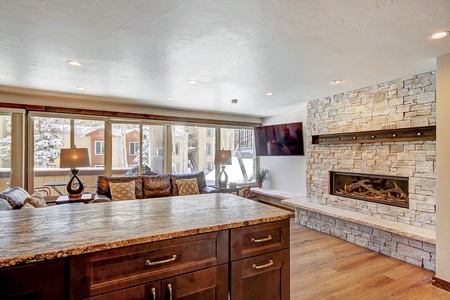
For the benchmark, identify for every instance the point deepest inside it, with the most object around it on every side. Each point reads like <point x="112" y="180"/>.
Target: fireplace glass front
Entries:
<point x="390" y="190"/>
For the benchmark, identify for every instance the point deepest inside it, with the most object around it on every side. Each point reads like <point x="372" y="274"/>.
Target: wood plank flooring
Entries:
<point x="326" y="267"/>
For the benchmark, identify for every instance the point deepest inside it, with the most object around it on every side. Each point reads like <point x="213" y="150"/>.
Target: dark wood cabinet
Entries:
<point x="119" y="269"/>
<point x="250" y="262"/>
<point x="260" y="262"/>
<point x="263" y="277"/>
<point x="38" y="281"/>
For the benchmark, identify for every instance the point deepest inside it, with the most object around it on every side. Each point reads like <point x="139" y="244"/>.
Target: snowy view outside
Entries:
<point x="193" y="150"/>
<point x="5" y="150"/>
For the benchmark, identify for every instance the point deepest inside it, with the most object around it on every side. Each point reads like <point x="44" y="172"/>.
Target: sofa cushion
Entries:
<point x="123" y="190"/>
<point x="27" y="205"/>
<point x="37" y="200"/>
<point x="15" y="196"/>
<point x="187" y="187"/>
<point x="156" y="186"/>
<point x="200" y="177"/>
<point x="104" y="189"/>
<point x="4" y="205"/>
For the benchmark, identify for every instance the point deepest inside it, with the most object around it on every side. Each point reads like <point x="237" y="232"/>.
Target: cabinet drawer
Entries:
<point x="263" y="277"/>
<point x="105" y="271"/>
<point x="259" y="239"/>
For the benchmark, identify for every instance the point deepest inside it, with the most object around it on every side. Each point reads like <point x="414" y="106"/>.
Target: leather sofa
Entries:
<point x="150" y="186"/>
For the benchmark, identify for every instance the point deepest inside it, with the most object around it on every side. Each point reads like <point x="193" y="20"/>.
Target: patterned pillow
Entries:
<point x="15" y="196"/>
<point x="122" y="190"/>
<point x="4" y="205"/>
<point x="187" y="187"/>
<point x="37" y="200"/>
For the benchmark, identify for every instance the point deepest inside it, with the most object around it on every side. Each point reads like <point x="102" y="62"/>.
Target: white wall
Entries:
<point x="443" y="168"/>
<point x="286" y="173"/>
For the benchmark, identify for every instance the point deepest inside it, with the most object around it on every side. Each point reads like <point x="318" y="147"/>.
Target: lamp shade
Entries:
<point x="223" y="157"/>
<point x="74" y="158"/>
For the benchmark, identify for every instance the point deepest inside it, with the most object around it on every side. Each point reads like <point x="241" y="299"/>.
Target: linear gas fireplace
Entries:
<point x="390" y="190"/>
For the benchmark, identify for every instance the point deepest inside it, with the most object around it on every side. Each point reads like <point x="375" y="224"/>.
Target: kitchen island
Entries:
<point x="148" y="248"/>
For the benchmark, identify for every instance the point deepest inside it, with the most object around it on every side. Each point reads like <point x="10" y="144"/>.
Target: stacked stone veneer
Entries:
<point x="416" y="252"/>
<point x="401" y="103"/>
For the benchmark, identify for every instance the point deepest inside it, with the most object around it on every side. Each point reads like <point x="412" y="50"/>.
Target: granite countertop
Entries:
<point x="32" y="235"/>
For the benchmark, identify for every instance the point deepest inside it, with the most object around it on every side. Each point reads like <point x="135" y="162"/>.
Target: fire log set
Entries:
<point x="385" y="190"/>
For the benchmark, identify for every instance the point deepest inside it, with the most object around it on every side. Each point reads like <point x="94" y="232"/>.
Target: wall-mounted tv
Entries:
<point x="281" y="139"/>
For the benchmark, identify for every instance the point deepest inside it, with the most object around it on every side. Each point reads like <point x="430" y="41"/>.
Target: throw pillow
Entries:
<point x="15" y="196"/>
<point x="156" y="186"/>
<point x="4" y="205"/>
<point x="122" y="190"/>
<point x="187" y="187"/>
<point x="37" y="200"/>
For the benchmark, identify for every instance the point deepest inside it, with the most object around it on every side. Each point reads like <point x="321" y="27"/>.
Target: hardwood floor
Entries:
<point x="326" y="267"/>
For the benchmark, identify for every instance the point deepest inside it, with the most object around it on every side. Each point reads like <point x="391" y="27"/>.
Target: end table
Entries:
<point x="85" y="198"/>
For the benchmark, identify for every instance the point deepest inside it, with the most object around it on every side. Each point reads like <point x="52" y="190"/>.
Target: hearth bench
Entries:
<point x="208" y="246"/>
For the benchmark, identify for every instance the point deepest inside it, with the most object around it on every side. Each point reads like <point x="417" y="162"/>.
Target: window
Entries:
<point x="210" y="132"/>
<point x="99" y="147"/>
<point x="240" y="142"/>
<point x="134" y="148"/>
<point x="153" y="149"/>
<point x="209" y="149"/>
<point x="51" y="134"/>
<point x="193" y="141"/>
<point x="5" y="150"/>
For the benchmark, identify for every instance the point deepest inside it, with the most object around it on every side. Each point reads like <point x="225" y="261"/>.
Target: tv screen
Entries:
<point x="282" y="139"/>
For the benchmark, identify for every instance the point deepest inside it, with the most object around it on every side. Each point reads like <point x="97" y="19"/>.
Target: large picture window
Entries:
<point x="241" y="144"/>
<point x="5" y="151"/>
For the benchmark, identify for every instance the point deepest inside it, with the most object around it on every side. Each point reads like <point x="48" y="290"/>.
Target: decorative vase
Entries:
<point x="259" y="184"/>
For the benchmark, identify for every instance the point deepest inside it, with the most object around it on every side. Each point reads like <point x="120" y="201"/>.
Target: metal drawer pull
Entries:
<point x="153" y="292"/>
<point x="148" y="262"/>
<point x="169" y="287"/>
<point x="268" y="238"/>
<point x="270" y="263"/>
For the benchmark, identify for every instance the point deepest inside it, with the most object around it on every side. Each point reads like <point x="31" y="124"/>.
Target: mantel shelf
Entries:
<point x="425" y="133"/>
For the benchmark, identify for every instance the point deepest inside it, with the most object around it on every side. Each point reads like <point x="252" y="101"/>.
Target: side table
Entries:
<point x="85" y="198"/>
<point x="229" y="189"/>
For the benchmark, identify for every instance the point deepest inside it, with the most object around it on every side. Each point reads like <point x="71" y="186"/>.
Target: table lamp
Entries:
<point x="73" y="158"/>
<point x="222" y="157"/>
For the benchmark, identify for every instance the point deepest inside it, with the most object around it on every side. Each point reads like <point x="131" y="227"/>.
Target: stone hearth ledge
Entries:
<point x="32" y="235"/>
<point x="406" y="230"/>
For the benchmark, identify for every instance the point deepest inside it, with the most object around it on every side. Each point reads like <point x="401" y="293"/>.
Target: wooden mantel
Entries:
<point x="425" y="133"/>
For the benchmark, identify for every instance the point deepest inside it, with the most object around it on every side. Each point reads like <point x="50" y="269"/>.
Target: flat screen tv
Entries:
<point x="281" y="139"/>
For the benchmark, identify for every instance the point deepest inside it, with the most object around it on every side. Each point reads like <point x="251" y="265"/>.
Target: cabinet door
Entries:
<point x="263" y="277"/>
<point x="151" y="291"/>
<point x="208" y="284"/>
<point x="44" y="280"/>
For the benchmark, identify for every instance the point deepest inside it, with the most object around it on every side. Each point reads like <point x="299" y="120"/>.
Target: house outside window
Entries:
<point x="209" y="149"/>
<point x="177" y="148"/>
<point x="134" y="148"/>
<point x="99" y="148"/>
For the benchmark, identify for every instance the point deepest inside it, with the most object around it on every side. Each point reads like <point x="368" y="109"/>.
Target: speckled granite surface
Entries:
<point x="32" y="235"/>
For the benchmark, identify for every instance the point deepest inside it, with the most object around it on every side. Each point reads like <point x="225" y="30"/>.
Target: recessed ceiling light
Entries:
<point x="336" y="81"/>
<point x="269" y="94"/>
<point x="192" y="82"/>
<point x="74" y="63"/>
<point x="81" y="88"/>
<point x="234" y="102"/>
<point x="170" y="99"/>
<point x="439" y="35"/>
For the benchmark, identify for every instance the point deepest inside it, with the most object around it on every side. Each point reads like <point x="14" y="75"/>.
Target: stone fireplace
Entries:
<point x="389" y="190"/>
<point x="404" y="103"/>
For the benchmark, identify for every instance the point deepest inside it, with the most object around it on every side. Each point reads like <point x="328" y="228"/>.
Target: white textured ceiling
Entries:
<point x="146" y="51"/>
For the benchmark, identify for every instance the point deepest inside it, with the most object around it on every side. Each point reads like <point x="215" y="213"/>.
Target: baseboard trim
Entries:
<point x="440" y="283"/>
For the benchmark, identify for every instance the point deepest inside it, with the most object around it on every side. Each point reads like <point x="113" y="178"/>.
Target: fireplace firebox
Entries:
<point x="390" y="190"/>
